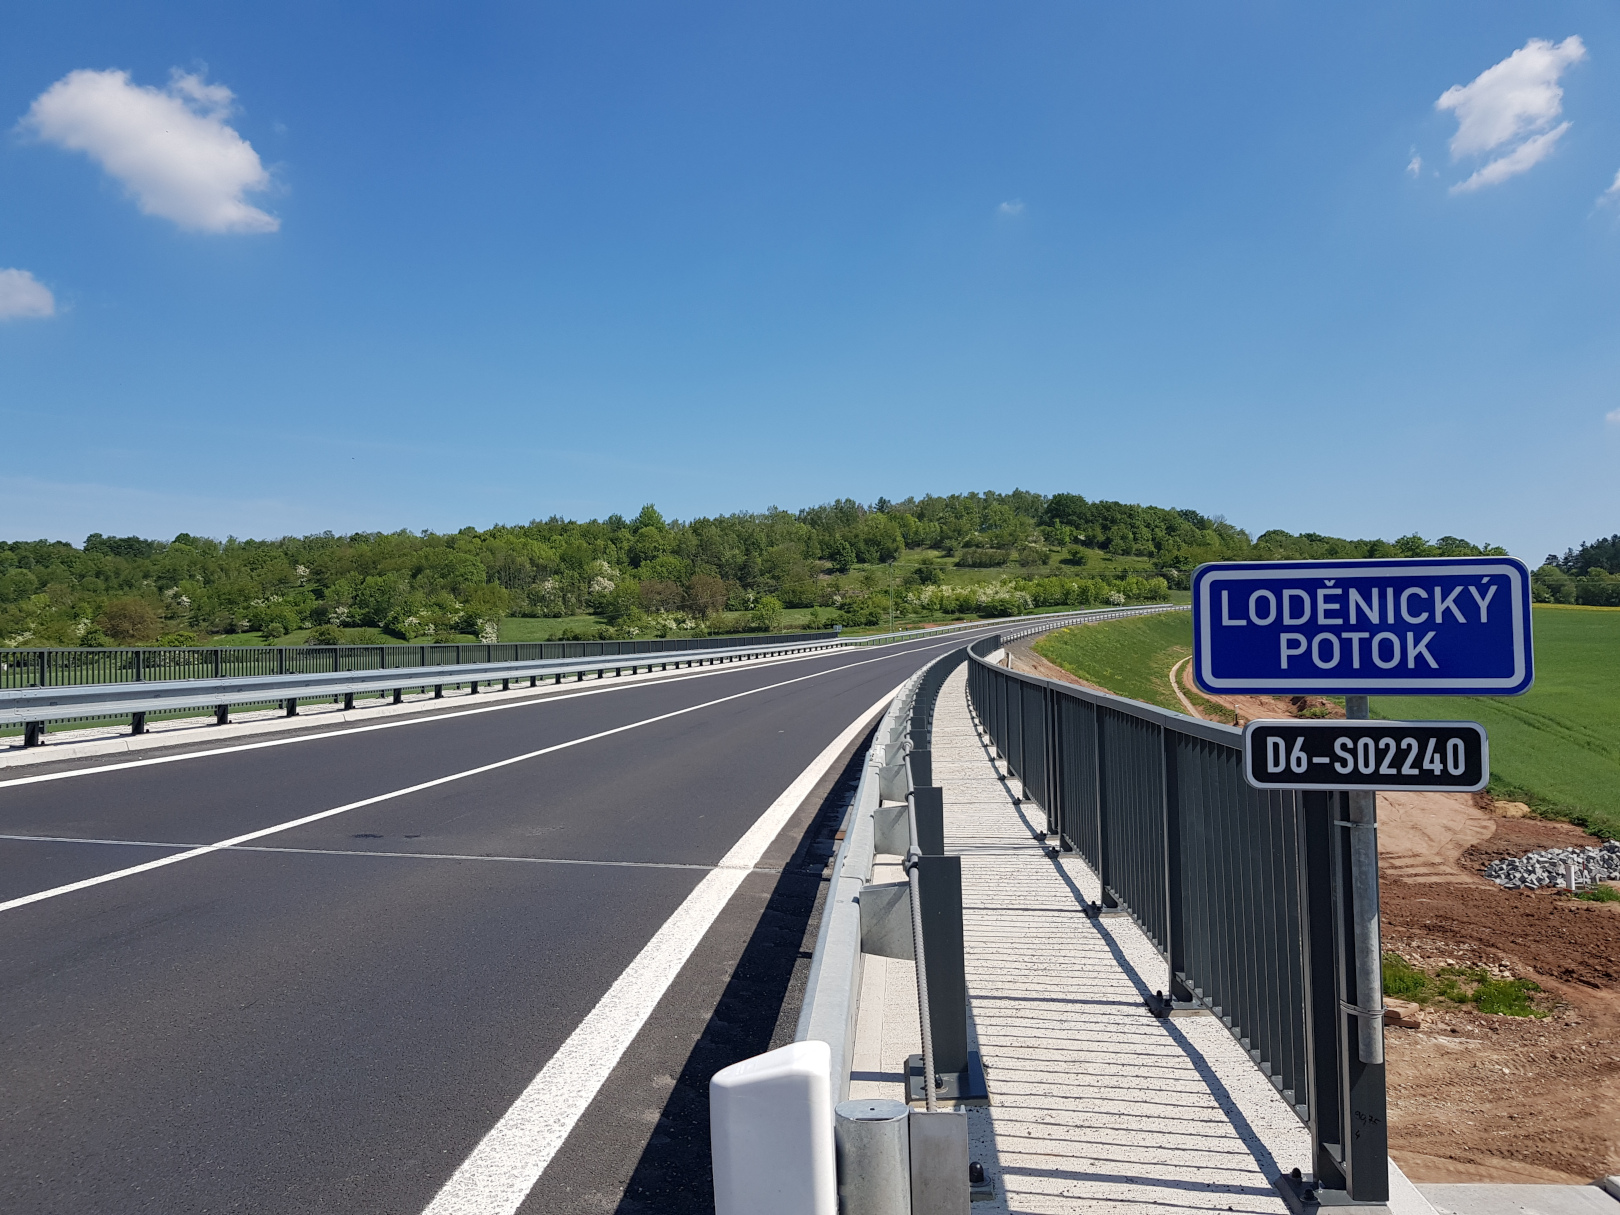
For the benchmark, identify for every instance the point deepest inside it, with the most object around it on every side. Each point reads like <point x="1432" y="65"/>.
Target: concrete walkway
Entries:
<point x="1095" y="1104"/>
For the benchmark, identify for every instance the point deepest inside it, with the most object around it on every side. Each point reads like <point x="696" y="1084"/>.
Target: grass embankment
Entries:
<point x="1557" y="747"/>
<point x="1131" y="657"/>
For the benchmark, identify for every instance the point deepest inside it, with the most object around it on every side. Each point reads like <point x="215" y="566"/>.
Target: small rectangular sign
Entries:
<point x="1437" y="756"/>
<point x="1431" y="626"/>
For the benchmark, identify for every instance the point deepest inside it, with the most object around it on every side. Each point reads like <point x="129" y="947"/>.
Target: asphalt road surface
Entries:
<point x="394" y="991"/>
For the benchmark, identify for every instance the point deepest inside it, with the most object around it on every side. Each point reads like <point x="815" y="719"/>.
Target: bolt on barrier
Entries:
<point x="1245" y="893"/>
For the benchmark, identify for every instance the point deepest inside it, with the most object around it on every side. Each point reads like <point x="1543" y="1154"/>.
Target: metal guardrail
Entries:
<point x="898" y="761"/>
<point x="1245" y="892"/>
<point x="37" y="707"/>
<point x="65" y="667"/>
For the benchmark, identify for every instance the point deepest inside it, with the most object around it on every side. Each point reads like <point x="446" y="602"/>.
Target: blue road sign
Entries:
<point x="1433" y="626"/>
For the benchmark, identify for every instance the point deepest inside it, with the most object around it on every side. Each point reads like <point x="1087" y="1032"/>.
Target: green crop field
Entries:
<point x="1557" y="746"/>
<point x="1132" y="656"/>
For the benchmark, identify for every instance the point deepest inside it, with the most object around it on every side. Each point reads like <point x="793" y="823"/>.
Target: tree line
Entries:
<point x="641" y="575"/>
<point x="1589" y="574"/>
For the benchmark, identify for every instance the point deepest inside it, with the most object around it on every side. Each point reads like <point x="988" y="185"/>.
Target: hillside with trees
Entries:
<point x="938" y="557"/>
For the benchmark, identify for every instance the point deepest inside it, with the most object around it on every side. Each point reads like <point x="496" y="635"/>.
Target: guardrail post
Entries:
<point x="348" y="702"/>
<point x="291" y="704"/>
<point x="137" y="723"/>
<point x="222" y="715"/>
<point x="438" y="691"/>
<point x="399" y="696"/>
<point x="472" y="688"/>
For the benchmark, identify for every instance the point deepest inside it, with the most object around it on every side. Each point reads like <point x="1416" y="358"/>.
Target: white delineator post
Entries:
<point x="771" y="1131"/>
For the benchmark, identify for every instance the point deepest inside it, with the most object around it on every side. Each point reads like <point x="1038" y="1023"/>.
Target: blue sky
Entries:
<point x="439" y="265"/>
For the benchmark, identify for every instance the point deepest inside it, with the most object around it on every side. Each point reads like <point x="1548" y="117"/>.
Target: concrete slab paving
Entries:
<point x="1520" y="1200"/>
<point x="1095" y="1104"/>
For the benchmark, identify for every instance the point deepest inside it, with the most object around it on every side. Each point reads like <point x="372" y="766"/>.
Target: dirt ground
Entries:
<point x="1475" y="1097"/>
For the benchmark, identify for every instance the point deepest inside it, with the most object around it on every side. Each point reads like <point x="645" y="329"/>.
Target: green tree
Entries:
<point x="767" y="614"/>
<point x="130" y="621"/>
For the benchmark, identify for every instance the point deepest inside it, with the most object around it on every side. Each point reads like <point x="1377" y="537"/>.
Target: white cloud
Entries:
<point x="1514" y="102"/>
<point x="23" y="295"/>
<point x="1013" y="206"/>
<point x="1613" y="416"/>
<point x="1613" y="192"/>
<point x="1415" y="165"/>
<point x="1515" y="162"/>
<point x="171" y="147"/>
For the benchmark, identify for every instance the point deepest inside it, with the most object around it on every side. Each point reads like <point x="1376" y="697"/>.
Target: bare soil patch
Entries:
<point x="1483" y="1098"/>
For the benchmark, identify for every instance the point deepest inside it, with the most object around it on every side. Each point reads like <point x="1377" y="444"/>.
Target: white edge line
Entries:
<point x="503" y="1168"/>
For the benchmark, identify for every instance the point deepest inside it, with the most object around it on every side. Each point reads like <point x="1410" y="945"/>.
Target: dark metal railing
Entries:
<point x="1244" y="892"/>
<point x="57" y="668"/>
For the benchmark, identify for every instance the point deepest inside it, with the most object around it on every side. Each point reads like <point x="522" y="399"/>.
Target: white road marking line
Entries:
<point x="317" y="735"/>
<point x="247" y="837"/>
<point x="503" y="1168"/>
<point x="363" y="852"/>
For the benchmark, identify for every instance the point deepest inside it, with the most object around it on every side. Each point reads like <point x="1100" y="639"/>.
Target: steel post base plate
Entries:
<point x="1303" y="1198"/>
<point x="959" y="1088"/>
<point x="1161" y="1007"/>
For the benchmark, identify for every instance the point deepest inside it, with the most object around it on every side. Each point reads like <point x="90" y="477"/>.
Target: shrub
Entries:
<point x="324" y="634"/>
<point x="129" y="621"/>
<point x="982" y="558"/>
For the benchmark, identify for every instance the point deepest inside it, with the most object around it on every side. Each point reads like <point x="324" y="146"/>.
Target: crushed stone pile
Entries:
<point x="1547" y="867"/>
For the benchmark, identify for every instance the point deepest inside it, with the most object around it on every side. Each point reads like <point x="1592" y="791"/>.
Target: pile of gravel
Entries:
<point x="1546" y="868"/>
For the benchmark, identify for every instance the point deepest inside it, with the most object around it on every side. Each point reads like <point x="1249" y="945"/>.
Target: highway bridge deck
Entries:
<point x="332" y="1012"/>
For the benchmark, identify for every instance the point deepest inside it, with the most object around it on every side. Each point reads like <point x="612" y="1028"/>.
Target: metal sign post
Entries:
<point x="1415" y="627"/>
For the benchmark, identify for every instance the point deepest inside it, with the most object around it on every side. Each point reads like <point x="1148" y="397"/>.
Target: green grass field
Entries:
<point x="1132" y="657"/>
<point x="1557" y="747"/>
<point x="543" y="628"/>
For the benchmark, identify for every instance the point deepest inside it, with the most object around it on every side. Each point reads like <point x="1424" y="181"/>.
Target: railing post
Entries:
<point x="1175" y="944"/>
<point x="1105" y="868"/>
